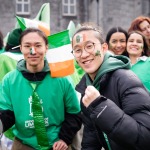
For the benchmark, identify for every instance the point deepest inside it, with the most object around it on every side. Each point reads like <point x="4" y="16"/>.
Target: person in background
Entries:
<point x="137" y="52"/>
<point x="116" y="39"/>
<point x="142" y="24"/>
<point x="115" y="105"/>
<point x="1" y="43"/>
<point x="8" y="62"/>
<point x="12" y="44"/>
<point x="47" y="115"/>
<point x="12" y="53"/>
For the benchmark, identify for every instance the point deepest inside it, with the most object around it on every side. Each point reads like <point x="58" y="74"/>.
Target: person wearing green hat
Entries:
<point x="12" y="44"/>
<point x="12" y="54"/>
<point x="8" y="62"/>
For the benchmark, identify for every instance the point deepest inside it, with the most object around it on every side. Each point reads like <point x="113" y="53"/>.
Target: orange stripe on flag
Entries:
<point x="61" y="69"/>
<point x="44" y="29"/>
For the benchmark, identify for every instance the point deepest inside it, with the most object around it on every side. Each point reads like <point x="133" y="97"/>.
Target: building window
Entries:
<point x="69" y="7"/>
<point x="23" y="7"/>
<point x="146" y="7"/>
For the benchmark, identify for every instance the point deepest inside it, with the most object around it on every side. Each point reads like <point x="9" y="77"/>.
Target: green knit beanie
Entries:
<point x="13" y="37"/>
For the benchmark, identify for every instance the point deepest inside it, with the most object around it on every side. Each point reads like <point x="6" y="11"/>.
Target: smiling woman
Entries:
<point x="137" y="52"/>
<point x="116" y="39"/>
<point x="142" y="24"/>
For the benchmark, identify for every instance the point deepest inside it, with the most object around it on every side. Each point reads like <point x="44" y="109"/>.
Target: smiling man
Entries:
<point x="44" y="110"/>
<point x="114" y="103"/>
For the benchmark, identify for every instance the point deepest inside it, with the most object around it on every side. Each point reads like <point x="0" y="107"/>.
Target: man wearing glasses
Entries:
<point x="115" y="105"/>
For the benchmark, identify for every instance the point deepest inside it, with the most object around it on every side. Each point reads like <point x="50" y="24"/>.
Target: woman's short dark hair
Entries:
<point x="114" y="30"/>
<point x="32" y="30"/>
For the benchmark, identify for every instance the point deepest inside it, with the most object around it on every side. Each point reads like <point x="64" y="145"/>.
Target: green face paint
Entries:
<point x="98" y="53"/>
<point x="141" y="47"/>
<point x="32" y="51"/>
<point x="78" y="38"/>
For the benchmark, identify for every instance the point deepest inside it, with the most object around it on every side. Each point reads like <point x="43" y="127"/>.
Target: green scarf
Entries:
<point x="40" y="129"/>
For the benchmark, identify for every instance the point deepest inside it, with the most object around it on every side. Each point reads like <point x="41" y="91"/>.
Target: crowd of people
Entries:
<point x="135" y="44"/>
<point x="105" y="104"/>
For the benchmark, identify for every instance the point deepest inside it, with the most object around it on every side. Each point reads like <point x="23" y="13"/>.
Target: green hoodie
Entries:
<point x="57" y="95"/>
<point x="110" y="63"/>
<point x="21" y="66"/>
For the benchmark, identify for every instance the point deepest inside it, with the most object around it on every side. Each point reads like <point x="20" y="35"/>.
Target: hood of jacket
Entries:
<point x="38" y="76"/>
<point x="110" y="63"/>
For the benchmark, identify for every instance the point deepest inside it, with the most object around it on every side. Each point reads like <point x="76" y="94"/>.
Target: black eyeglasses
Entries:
<point x="89" y="47"/>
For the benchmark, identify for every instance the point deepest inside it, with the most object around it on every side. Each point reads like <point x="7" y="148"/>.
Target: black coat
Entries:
<point x="122" y="112"/>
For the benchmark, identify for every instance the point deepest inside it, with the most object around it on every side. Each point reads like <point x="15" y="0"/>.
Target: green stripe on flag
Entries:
<point x="59" y="39"/>
<point x="21" y="22"/>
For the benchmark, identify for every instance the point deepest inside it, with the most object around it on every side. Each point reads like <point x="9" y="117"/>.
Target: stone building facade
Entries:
<point x="106" y="13"/>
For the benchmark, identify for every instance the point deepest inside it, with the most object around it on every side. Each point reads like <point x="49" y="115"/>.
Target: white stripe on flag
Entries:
<point x="59" y="54"/>
<point x="31" y="23"/>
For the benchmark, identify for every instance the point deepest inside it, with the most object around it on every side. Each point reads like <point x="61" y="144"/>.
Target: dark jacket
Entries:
<point x="122" y="112"/>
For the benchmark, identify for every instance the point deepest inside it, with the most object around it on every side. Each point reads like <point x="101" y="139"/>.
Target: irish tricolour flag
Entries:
<point x="44" y="14"/>
<point x="59" y="56"/>
<point x="26" y="23"/>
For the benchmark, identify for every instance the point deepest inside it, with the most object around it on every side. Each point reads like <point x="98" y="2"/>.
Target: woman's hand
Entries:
<point x="91" y="93"/>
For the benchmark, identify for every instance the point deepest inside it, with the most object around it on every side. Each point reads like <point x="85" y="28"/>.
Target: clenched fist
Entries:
<point x="91" y="93"/>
